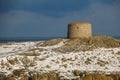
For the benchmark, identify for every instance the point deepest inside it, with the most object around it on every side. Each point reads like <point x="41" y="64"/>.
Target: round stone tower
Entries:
<point x="79" y="30"/>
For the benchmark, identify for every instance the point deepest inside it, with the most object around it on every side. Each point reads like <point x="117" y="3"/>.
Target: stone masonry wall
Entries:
<point x="79" y="30"/>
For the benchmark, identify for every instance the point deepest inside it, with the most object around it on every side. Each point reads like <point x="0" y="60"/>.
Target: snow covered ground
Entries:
<point x="106" y="60"/>
<point x="15" y="48"/>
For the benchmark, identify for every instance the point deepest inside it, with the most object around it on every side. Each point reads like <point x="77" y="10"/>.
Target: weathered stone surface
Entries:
<point x="79" y="30"/>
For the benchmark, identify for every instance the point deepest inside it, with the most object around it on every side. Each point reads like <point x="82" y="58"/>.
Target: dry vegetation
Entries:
<point x="8" y="43"/>
<point x="55" y="76"/>
<point x="86" y="44"/>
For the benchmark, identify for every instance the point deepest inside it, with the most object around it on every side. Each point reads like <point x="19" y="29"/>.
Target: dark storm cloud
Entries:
<point x="44" y="5"/>
<point x="49" y="18"/>
<point x="54" y="8"/>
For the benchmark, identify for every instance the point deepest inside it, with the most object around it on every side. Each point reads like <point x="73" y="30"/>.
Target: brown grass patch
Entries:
<point x="54" y="76"/>
<point x="87" y="44"/>
<point x="97" y="77"/>
<point x="8" y="43"/>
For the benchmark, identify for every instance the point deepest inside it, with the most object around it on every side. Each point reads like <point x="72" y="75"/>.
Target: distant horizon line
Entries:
<point x="21" y="39"/>
<point x="45" y="37"/>
<point x="24" y="39"/>
<point x="11" y="38"/>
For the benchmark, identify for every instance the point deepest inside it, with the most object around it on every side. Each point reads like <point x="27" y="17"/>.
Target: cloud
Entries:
<point x="54" y="8"/>
<point x="24" y="23"/>
<point x="104" y="18"/>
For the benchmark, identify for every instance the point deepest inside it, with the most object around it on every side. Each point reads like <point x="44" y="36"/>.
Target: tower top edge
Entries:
<point x="74" y="23"/>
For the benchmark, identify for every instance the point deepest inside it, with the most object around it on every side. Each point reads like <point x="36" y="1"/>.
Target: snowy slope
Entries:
<point x="106" y="60"/>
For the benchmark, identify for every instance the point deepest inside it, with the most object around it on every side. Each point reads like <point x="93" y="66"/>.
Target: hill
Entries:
<point x="95" y="58"/>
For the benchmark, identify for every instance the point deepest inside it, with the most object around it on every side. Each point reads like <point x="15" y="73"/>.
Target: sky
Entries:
<point x="49" y="18"/>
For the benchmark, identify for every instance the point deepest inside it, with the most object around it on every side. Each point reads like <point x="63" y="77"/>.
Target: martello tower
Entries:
<point x="79" y="30"/>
